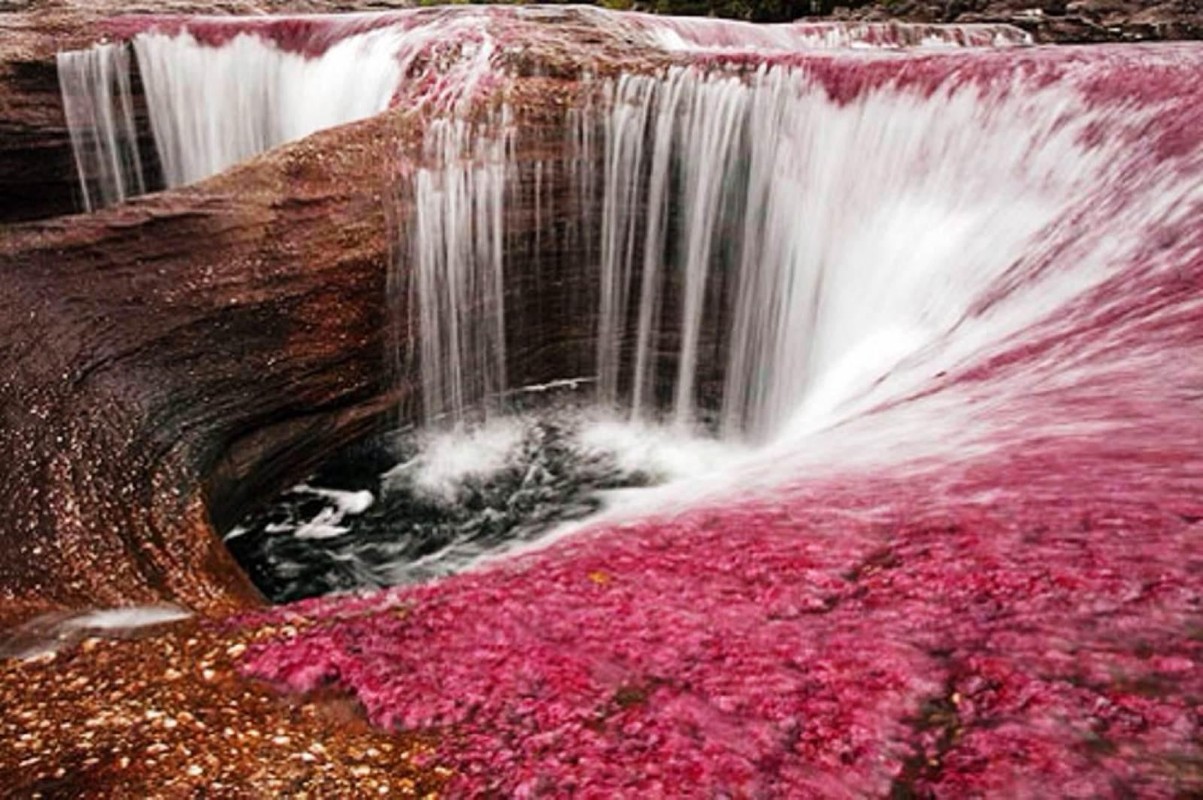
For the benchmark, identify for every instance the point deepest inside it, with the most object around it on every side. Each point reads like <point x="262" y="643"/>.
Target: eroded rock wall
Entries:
<point x="169" y="361"/>
<point x="144" y="342"/>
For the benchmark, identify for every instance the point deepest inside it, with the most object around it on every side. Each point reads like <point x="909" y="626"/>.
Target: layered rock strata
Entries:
<point x="172" y="359"/>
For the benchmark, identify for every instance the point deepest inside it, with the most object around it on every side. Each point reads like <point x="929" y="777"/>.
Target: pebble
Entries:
<point x="84" y="727"/>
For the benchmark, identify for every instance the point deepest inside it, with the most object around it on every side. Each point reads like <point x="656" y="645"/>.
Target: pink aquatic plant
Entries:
<point x="1006" y="604"/>
<point x="771" y="648"/>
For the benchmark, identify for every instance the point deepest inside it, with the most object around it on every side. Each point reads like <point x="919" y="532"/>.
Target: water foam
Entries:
<point x="456" y="497"/>
<point x="449" y="459"/>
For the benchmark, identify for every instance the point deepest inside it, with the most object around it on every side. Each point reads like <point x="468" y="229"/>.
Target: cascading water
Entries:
<point x="957" y="299"/>
<point x="741" y="237"/>
<point x="212" y="107"/>
<point x="98" y="106"/>
<point x="806" y="257"/>
<point x="953" y="302"/>
<point x="819" y="240"/>
<point x="456" y="248"/>
<point x="220" y="90"/>
<point x="775" y="253"/>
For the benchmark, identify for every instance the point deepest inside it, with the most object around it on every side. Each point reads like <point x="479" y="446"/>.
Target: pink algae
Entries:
<point x="1021" y="620"/>
<point x="830" y="642"/>
<point x="1024" y="619"/>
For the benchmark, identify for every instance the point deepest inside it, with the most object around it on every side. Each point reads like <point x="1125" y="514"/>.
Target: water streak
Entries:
<point x="98" y="105"/>
<point x="457" y="255"/>
<point x="798" y="282"/>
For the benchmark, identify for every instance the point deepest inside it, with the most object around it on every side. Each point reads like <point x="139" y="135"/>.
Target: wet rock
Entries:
<point x="171" y="360"/>
<point x="139" y="717"/>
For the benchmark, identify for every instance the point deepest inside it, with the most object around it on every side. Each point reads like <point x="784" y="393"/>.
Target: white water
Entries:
<point x="858" y="252"/>
<point x="99" y="110"/>
<point x="459" y="495"/>
<point x="818" y="245"/>
<point x="764" y="251"/>
<point x="450" y="463"/>
<point x="211" y="107"/>
<point x="456" y="253"/>
<point x="342" y="504"/>
<point x="449" y="459"/>
<point x="711" y="35"/>
<point x="663" y="453"/>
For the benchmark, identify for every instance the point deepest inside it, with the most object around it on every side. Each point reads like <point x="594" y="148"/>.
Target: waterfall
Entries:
<point x="769" y="254"/>
<point x="620" y="215"/>
<point x="222" y="90"/>
<point x="721" y="208"/>
<point x="98" y="106"/>
<point x="456" y="253"/>
<point x="955" y="301"/>
<point x="701" y="34"/>
<point x="211" y="107"/>
<point x="813" y="244"/>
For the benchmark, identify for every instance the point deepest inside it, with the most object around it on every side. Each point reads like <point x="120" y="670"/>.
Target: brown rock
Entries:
<point x="104" y="722"/>
<point x="147" y="344"/>
<point x="166" y="362"/>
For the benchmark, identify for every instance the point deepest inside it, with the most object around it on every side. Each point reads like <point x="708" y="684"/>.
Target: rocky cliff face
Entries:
<point x="168" y="360"/>
<point x="133" y="337"/>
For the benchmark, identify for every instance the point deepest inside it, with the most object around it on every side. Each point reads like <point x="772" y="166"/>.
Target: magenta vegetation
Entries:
<point x="1007" y="603"/>
<point x="1033" y="623"/>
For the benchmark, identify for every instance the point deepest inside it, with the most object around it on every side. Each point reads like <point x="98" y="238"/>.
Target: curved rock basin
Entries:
<point x="957" y="314"/>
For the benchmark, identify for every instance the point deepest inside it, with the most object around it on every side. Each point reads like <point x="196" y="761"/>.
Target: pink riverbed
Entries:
<point x="1000" y="628"/>
<point x="1018" y="620"/>
<point x="986" y="585"/>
